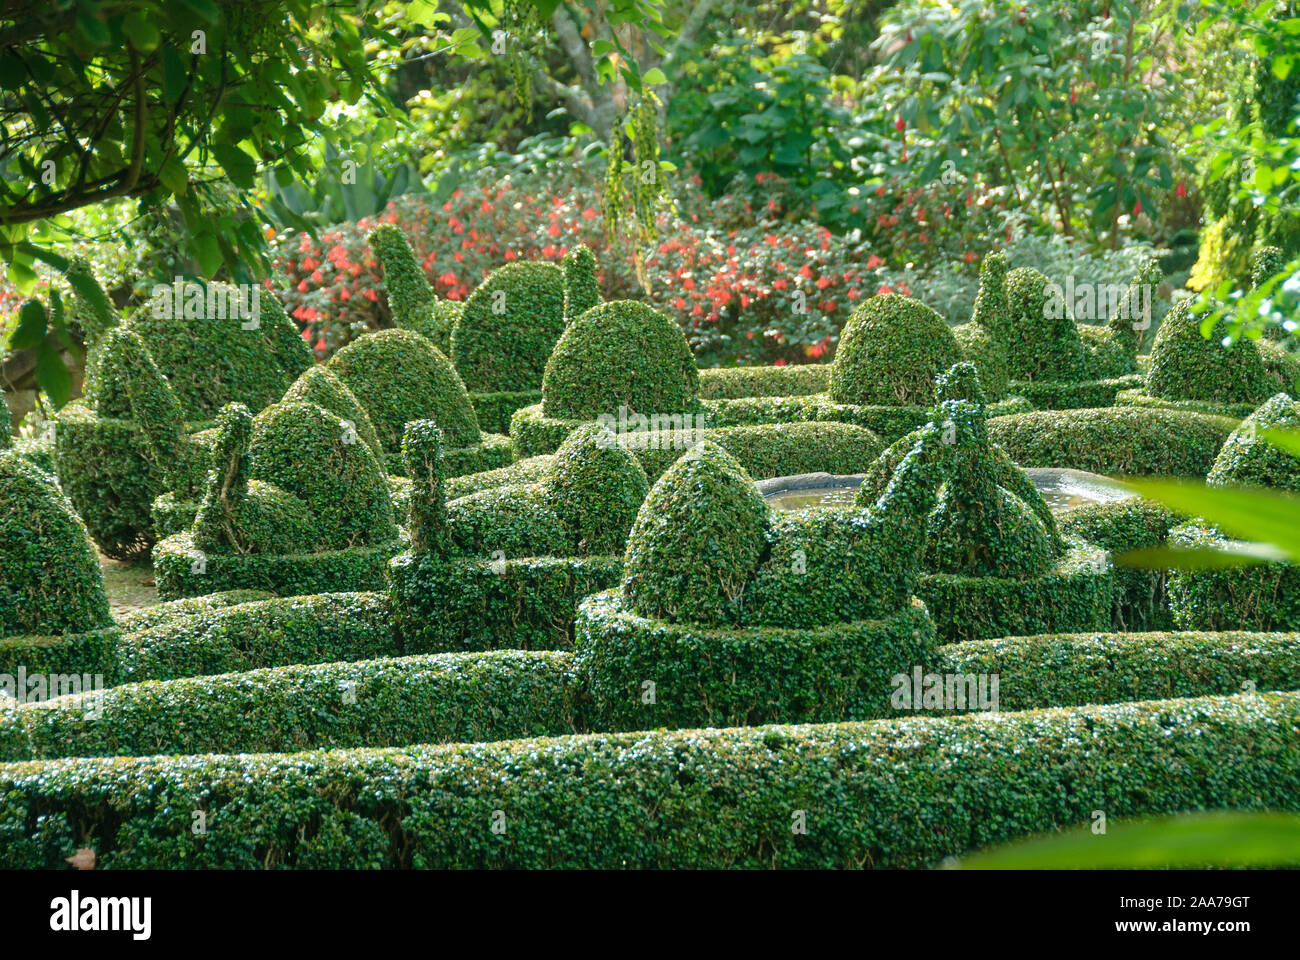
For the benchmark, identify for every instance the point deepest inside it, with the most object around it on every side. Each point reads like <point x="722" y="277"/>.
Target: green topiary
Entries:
<point x="1185" y="365"/>
<point x="1248" y="457"/>
<point x="508" y="327"/>
<point x="698" y="538"/>
<point x="427" y="506"/>
<point x="1038" y="346"/>
<point x="305" y="450"/>
<point x="409" y="292"/>
<point x="505" y="522"/>
<point x="621" y="353"/>
<point x="51" y="578"/>
<point x="890" y="352"/>
<point x="596" y="488"/>
<point x="581" y="291"/>
<point x="399" y="376"/>
<point x="319" y="385"/>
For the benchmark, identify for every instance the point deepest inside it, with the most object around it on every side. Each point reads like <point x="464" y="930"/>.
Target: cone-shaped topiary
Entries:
<point x="581" y="292"/>
<point x="319" y="385"/>
<point x="427" y="510"/>
<point x="51" y="578"/>
<point x="622" y="353"/>
<point x="308" y="451"/>
<point x="596" y="488"/>
<point x="1248" y="457"/>
<point x="239" y="515"/>
<point x="409" y="292"/>
<point x="698" y="538"/>
<point x="1188" y="366"/>
<point x="890" y="352"/>
<point x="1131" y="318"/>
<point x="508" y="327"/>
<point x="1041" y="343"/>
<point x="992" y="311"/>
<point x="399" y="376"/>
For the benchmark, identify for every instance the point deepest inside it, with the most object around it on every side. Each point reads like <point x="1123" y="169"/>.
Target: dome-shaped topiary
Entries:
<point x="1248" y="457"/>
<point x="1188" y="366"/>
<point x="622" y="353"/>
<point x="508" y="327"/>
<point x="890" y="352"/>
<point x="51" y="578"/>
<point x="308" y="451"/>
<point x="1040" y="341"/>
<point x="596" y="488"/>
<point x="698" y="538"/>
<point x="398" y="376"/>
<point x="321" y="386"/>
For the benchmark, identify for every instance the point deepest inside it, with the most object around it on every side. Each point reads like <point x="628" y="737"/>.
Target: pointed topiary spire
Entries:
<point x="282" y="334"/>
<point x="697" y="540"/>
<point x="1132" y="315"/>
<point x="581" y="292"/>
<point x="991" y="309"/>
<point x="427" y="510"/>
<point x="409" y="292"/>
<point x="218" y="519"/>
<point x="129" y="386"/>
<point x="1185" y="365"/>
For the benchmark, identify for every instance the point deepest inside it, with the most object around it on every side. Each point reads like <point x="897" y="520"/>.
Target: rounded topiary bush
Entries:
<point x="698" y="538"/>
<point x="596" y="488"/>
<point x="399" y="375"/>
<point x="1248" y="457"/>
<point x="308" y="451"/>
<point x="891" y="350"/>
<point x="319" y="385"/>
<point x="622" y="353"/>
<point x="1187" y="366"/>
<point x="51" y="578"/>
<point x="508" y="327"/>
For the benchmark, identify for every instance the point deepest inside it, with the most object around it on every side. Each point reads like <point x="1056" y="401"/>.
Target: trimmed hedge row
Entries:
<point x="1054" y="395"/>
<point x="91" y="652"/>
<point x="1075" y="595"/>
<point x="521" y="471"/>
<point x="1141" y="596"/>
<point x="322" y="628"/>
<point x="160" y="613"/>
<point x="1264" y="596"/>
<point x="1140" y="398"/>
<point x="183" y="570"/>
<point x="1058" y="670"/>
<point x="720" y="798"/>
<point x="646" y="673"/>
<point x="793" y="380"/>
<point x="445" y="698"/>
<point x="1116" y="441"/>
<point x="889" y="422"/>
<point x="486" y="604"/>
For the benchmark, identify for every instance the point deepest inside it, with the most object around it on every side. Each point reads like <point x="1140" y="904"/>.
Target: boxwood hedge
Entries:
<point x="890" y="351"/>
<point x="582" y="801"/>
<point x="1114" y="440"/>
<point x="792" y="380"/>
<point x="494" y="410"/>
<point x="508" y="327"/>
<point x="440" y="698"/>
<point x="1248" y="457"/>
<point x="1264" y="596"/>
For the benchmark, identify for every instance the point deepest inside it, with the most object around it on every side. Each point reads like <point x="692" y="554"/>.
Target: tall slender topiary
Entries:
<point x="409" y="292"/>
<point x="129" y="386"/>
<point x="1127" y="326"/>
<point x="991" y="310"/>
<point x="427" y="511"/>
<point x="581" y="292"/>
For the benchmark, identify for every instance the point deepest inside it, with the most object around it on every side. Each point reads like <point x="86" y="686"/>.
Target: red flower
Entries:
<point x="874" y="261"/>
<point x="779" y="362"/>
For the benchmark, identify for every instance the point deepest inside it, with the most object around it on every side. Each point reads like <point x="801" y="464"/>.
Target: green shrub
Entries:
<point x="721" y="798"/>
<point x="65" y="653"/>
<point x="130" y="387"/>
<point x="426" y="512"/>
<point x="534" y="434"/>
<point x="508" y="327"/>
<point x="698" y="538"/>
<point x="511" y="521"/>
<point x="467" y="603"/>
<point x="1188" y="366"/>
<point x="595" y="488"/>
<point x="319" y="628"/>
<point x="1249" y="458"/>
<point x="889" y="423"/>
<point x="1117" y="441"/>
<point x="793" y="380"/>
<point x="620" y="354"/>
<point x="320" y="386"/>
<point x="1120" y="526"/>
<point x="1057" y="395"/>
<point x="581" y="291"/>
<point x="491" y="452"/>
<point x="1038" y="346"/>
<point x="369" y="703"/>
<point x="1064" y="670"/>
<point x="890" y="351"/>
<point x="398" y="376"/>
<point x="978" y="346"/>
<point x="409" y="292"/>
<point x="1264" y="596"/>
<point x="143" y="618"/>
<point x="183" y="570"/>
<point x="521" y="471"/>
<point x="306" y="450"/>
<point x="52" y="583"/>
<point x="1137" y="397"/>
<point x="494" y="410"/>
<point x="731" y="676"/>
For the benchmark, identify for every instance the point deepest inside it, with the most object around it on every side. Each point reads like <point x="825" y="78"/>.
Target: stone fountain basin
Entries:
<point x="1061" y="488"/>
